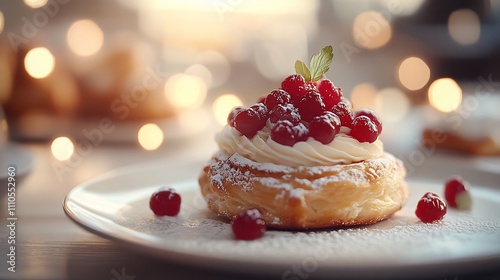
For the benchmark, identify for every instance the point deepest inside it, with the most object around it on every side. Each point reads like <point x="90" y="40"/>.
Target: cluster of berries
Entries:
<point x="301" y="109"/>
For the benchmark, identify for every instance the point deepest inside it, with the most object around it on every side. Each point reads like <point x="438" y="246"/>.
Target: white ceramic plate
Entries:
<point x="115" y="206"/>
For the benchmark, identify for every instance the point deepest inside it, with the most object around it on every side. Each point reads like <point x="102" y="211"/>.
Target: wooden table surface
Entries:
<point x="51" y="246"/>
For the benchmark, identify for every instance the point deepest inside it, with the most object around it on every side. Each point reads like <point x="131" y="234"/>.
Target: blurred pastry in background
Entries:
<point x="44" y="94"/>
<point x="474" y="130"/>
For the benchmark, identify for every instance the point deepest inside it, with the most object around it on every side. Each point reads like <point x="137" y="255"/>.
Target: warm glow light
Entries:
<point x="272" y="56"/>
<point x="392" y="104"/>
<point x="62" y="148"/>
<point x="217" y="64"/>
<point x="85" y="38"/>
<point x="39" y="62"/>
<point x="185" y="91"/>
<point x="150" y="137"/>
<point x="223" y="105"/>
<point x="35" y="3"/>
<point x="371" y="30"/>
<point x="200" y="71"/>
<point x="363" y="96"/>
<point x="413" y="73"/>
<point x="2" y="19"/>
<point x="464" y="26"/>
<point x="445" y="95"/>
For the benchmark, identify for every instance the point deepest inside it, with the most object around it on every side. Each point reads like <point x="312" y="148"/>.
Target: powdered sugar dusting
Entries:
<point x="402" y="238"/>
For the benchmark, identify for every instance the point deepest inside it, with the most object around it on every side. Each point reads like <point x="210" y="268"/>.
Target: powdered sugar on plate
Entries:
<point x="400" y="239"/>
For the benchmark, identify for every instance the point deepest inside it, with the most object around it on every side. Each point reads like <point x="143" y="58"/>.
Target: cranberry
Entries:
<point x="287" y="133"/>
<point x="331" y="94"/>
<point x="165" y="202"/>
<point x="364" y="130"/>
<point x="248" y="225"/>
<point x="323" y="128"/>
<point x="232" y="115"/>
<point x="248" y="122"/>
<point x="276" y="97"/>
<point x="285" y="112"/>
<point x="456" y="193"/>
<point x="311" y="105"/>
<point x="372" y="115"/>
<point x="261" y="111"/>
<point x="302" y="91"/>
<point x="292" y="83"/>
<point x="343" y="111"/>
<point x="261" y="99"/>
<point x="430" y="208"/>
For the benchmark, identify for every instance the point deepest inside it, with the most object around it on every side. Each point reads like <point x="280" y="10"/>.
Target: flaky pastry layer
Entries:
<point x="305" y="197"/>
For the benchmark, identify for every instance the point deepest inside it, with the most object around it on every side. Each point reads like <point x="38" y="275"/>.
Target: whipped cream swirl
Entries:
<point x="261" y="148"/>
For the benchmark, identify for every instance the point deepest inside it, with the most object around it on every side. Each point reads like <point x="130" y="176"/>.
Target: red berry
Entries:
<point x="276" y="97"/>
<point x="165" y="202"/>
<point x="456" y="193"/>
<point x="232" y="115"/>
<point x="261" y="111"/>
<point x="292" y="83"/>
<point x="343" y="111"/>
<point x="324" y="127"/>
<point x="287" y="133"/>
<point x="430" y="208"/>
<point x="302" y="91"/>
<point x="261" y="99"/>
<point x="285" y="112"/>
<point x="372" y="115"/>
<point x="311" y="105"/>
<point x="331" y="94"/>
<point x="248" y="122"/>
<point x="364" y="130"/>
<point x="248" y="225"/>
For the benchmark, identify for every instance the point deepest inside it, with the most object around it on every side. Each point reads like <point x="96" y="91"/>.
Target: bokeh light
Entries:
<point x="223" y="105"/>
<point x="39" y="62"/>
<point x="371" y="30"/>
<point x="464" y="26"/>
<point x="200" y="71"/>
<point x="217" y="64"/>
<point x="34" y="4"/>
<point x="445" y="95"/>
<point x="2" y="20"/>
<point x="392" y="104"/>
<point x="364" y="96"/>
<point x="62" y="148"/>
<point x="150" y="136"/>
<point x="85" y="38"/>
<point x="272" y="56"/>
<point x="185" y="91"/>
<point x="413" y="73"/>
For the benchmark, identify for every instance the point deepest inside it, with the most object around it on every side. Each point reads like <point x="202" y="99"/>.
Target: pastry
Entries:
<point x="304" y="159"/>
<point x="470" y="129"/>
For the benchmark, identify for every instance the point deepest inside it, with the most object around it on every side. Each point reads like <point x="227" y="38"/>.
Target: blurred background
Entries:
<point x="144" y="73"/>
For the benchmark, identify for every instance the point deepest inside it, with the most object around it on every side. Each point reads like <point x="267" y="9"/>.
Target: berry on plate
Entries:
<point x="248" y="225"/>
<point x="456" y="193"/>
<point x="165" y="202"/>
<point x="430" y="208"/>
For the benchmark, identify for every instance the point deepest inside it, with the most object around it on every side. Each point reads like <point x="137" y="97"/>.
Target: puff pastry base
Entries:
<point x="305" y="197"/>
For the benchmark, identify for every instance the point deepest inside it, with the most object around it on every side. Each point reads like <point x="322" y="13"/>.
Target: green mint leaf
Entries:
<point x="320" y="63"/>
<point x="301" y="68"/>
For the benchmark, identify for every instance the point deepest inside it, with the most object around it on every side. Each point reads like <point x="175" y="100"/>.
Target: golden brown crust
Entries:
<point x="484" y="146"/>
<point x="305" y="197"/>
